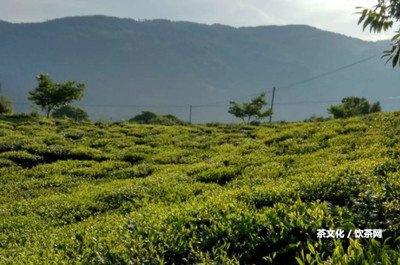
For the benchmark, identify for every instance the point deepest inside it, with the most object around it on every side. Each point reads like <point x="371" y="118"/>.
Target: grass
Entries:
<point x="120" y="193"/>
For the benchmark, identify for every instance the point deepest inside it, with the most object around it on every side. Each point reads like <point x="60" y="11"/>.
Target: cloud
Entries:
<point x="337" y="15"/>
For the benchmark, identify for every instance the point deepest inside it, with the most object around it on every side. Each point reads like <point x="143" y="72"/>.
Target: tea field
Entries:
<point x="120" y="193"/>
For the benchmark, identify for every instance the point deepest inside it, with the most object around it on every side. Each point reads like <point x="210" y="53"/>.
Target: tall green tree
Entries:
<point x="353" y="106"/>
<point x="383" y="17"/>
<point x="49" y="95"/>
<point x="250" y="111"/>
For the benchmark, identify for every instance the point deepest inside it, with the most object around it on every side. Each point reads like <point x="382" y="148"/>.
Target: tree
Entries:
<point x="353" y="106"/>
<point x="148" y="117"/>
<point x="381" y="17"/>
<point x="72" y="112"/>
<point x="250" y="110"/>
<point x="376" y="107"/>
<point x="5" y="105"/>
<point x="49" y="95"/>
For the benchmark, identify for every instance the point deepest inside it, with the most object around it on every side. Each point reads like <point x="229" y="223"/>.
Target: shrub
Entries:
<point x="220" y="175"/>
<point x="314" y="118"/>
<point x="353" y="106"/>
<point x="123" y="193"/>
<point x="5" y="105"/>
<point x="50" y="153"/>
<point x="133" y="157"/>
<point x="86" y="153"/>
<point x="6" y="162"/>
<point x="139" y="171"/>
<point x="22" y="158"/>
<point x="74" y="134"/>
<point x="12" y="143"/>
<point x="72" y="112"/>
<point x="147" y="117"/>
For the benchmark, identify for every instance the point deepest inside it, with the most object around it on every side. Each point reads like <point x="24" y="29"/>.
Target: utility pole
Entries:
<point x="190" y="114"/>
<point x="272" y="104"/>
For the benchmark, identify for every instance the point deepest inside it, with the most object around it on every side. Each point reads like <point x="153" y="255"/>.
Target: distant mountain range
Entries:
<point x="165" y="66"/>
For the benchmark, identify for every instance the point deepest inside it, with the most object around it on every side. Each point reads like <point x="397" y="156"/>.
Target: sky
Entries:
<point x="333" y="15"/>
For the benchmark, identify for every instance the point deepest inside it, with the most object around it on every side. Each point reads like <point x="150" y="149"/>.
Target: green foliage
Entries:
<point x="147" y="117"/>
<point x="49" y="95"/>
<point x="369" y="252"/>
<point x="68" y="111"/>
<point x="108" y="193"/>
<point x="5" y="105"/>
<point x="22" y="158"/>
<point x="220" y="175"/>
<point x="250" y="110"/>
<point x="382" y="17"/>
<point x="353" y="106"/>
<point x="314" y="118"/>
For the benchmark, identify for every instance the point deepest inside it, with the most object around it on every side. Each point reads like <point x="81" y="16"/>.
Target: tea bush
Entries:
<point x="123" y="193"/>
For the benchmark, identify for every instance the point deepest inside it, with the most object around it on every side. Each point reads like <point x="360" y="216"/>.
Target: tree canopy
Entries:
<point x="5" y="105"/>
<point x="353" y="106"/>
<point x="382" y="17"/>
<point x="71" y="112"/>
<point x="250" y="111"/>
<point x="148" y="117"/>
<point x="49" y="95"/>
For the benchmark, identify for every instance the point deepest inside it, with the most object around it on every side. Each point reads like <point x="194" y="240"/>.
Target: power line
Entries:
<point x="341" y="68"/>
<point x="224" y="102"/>
<point x="218" y="103"/>
<point x="307" y="102"/>
<point x="117" y="105"/>
<point x="131" y="106"/>
<point x="222" y="105"/>
<point x="330" y="72"/>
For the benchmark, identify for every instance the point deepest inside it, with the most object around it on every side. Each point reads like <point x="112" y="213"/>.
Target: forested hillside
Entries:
<point x="162" y="66"/>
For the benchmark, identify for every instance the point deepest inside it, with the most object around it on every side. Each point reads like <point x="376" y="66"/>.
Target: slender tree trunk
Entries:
<point x="48" y="111"/>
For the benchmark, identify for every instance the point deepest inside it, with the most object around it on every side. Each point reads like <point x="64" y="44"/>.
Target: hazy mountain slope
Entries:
<point x="126" y="62"/>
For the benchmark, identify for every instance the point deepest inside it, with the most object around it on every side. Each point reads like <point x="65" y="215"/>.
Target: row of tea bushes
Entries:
<point x="120" y="193"/>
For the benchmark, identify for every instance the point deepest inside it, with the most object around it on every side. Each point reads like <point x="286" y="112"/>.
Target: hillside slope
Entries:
<point x="119" y="193"/>
<point x="174" y="64"/>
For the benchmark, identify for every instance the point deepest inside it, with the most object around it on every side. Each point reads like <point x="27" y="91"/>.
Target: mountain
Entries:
<point x="164" y="66"/>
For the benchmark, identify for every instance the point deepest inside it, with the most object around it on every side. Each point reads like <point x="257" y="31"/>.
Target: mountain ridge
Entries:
<point x="90" y="17"/>
<point x="162" y="62"/>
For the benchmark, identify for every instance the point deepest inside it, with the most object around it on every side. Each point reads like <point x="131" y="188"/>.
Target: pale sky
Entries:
<point x="332" y="15"/>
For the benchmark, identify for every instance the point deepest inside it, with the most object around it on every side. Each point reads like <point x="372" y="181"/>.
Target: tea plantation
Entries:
<point x="120" y="193"/>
